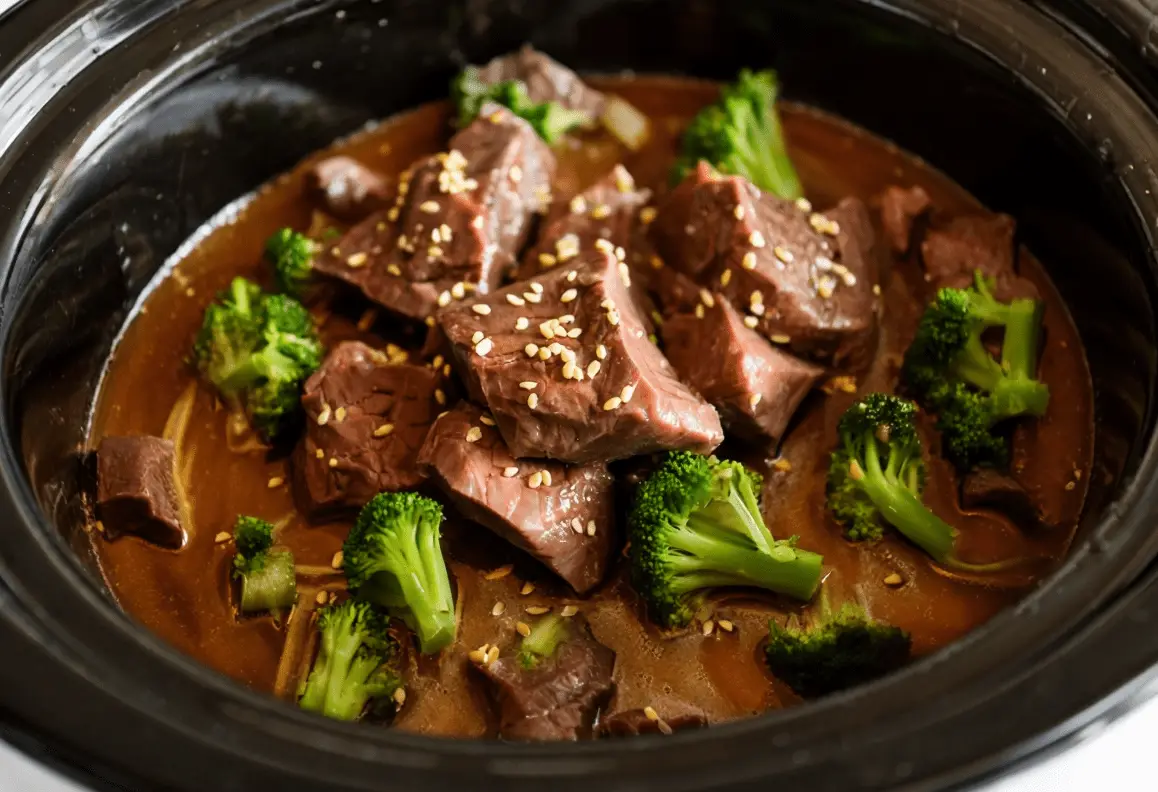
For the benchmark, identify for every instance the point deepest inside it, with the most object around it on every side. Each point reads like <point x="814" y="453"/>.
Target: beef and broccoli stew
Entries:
<point x="587" y="407"/>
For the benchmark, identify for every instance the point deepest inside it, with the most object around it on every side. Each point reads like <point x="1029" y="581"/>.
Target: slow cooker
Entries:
<point x="127" y="123"/>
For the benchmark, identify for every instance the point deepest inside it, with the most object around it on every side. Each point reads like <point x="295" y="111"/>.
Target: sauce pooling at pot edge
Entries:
<point x="184" y="596"/>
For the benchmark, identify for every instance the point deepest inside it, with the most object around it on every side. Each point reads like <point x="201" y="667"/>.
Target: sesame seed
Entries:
<point x="532" y="400"/>
<point x="625" y="274"/>
<point x="430" y="207"/>
<point x="383" y="431"/>
<point x="458" y="290"/>
<point x="613" y="318"/>
<point x="783" y="465"/>
<point x="477" y="656"/>
<point x="825" y="287"/>
<point x="444" y="299"/>
<point x="575" y="332"/>
<point x="392" y="215"/>
<point x="749" y="261"/>
<point x="707" y="298"/>
<point x="536" y="610"/>
<point x="593" y="368"/>
<point x="477" y="336"/>
<point x="568" y="295"/>
<point x="515" y="299"/>
<point x="482" y="309"/>
<point x="893" y="579"/>
<point x="804" y="205"/>
<point x="522" y="323"/>
<point x="656" y="263"/>
<point x="1070" y="486"/>
<point x="612" y="403"/>
<point x="523" y="629"/>
<point x="357" y="260"/>
<point x="510" y="472"/>
<point x="754" y="399"/>
<point x="699" y="310"/>
<point x="446" y="370"/>
<point x="546" y="478"/>
<point x="275" y="482"/>
<point x="399" y="696"/>
<point x="876" y="290"/>
<point x="544" y="353"/>
<point x="223" y="537"/>
<point x="570" y="370"/>
<point x="756" y="239"/>
<point x="784" y="254"/>
<point x="780" y="338"/>
<point x="492" y="654"/>
<point x="319" y="453"/>
<point x="647" y="214"/>
<point x="547" y="329"/>
<point x="535" y="479"/>
<point x="566" y="355"/>
<point x="483" y="347"/>
<point x="439" y="396"/>
<point x="568" y="611"/>
<point x="333" y="461"/>
<point x="528" y="385"/>
<point x="498" y="609"/>
<point x="324" y="415"/>
<point x="531" y="350"/>
<point x="578" y="204"/>
<point x="605" y="246"/>
<point x="500" y="573"/>
<point x="321" y="598"/>
<point x="739" y="211"/>
<point x="709" y="627"/>
<point x="590" y="527"/>
<point x="546" y="260"/>
<point x="557" y="348"/>
<point x="577" y="525"/>
<point x="650" y="713"/>
<point x="756" y="297"/>
<point x="336" y="561"/>
<point x="528" y="588"/>
<point x="437" y="361"/>
<point x="750" y="322"/>
<point x="340" y="414"/>
<point x="725" y="625"/>
<point x="757" y="309"/>
<point x="601" y="212"/>
<point x="533" y="297"/>
<point x="601" y="352"/>
<point x="627" y="392"/>
<point x="473" y="435"/>
<point x="478" y="222"/>
<point x="725" y="277"/>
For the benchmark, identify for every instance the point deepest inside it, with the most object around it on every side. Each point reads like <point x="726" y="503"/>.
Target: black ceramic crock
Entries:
<point x="124" y="124"/>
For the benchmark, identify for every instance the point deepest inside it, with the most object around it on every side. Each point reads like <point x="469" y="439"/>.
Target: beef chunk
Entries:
<point x="559" y="698"/>
<point x="346" y="188"/>
<point x="901" y="208"/>
<point x="137" y="491"/>
<point x="630" y="723"/>
<point x="954" y="249"/>
<point x="755" y="387"/>
<point x="806" y="280"/>
<point x="675" y="292"/>
<point x="366" y="420"/>
<point x="546" y="79"/>
<point x="990" y="489"/>
<point x="609" y="210"/>
<point x="562" y="515"/>
<point x="458" y="222"/>
<point x="565" y="366"/>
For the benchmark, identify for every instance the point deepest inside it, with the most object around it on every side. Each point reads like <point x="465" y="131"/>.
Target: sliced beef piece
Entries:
<point x="755" y="387"/>
<point x="459" y="220"/>
<point x="546" y="79"/>
<point x="366" y="420"/>
<point x="674" y="292"/>
<point x="346" y="188"/>
<point x="807" y="280"/>
<point x="560" y="697"/>
<point x="990" y="489"/>
<point x="137" y="491"/>
<point x="954" y="249"/>
<point x="563" y="515"/>
<point x="565" y="366"/>
<point x="901" y="209"/>
<point x="631" y="723"/>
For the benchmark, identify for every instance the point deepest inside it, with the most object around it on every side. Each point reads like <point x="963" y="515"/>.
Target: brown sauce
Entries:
<point x="184" y="595"/>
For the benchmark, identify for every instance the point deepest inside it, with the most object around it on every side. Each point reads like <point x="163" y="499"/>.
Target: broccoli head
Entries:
<point x="393" y="559"/>
<point x="291" y="254"/>
<point x="696" y="525"/>
<point x="257" y="349"/>
<point x="550" y="120"/>
<point x="355" y="662"/>
<point x="268" y="581"/>
<point x="741" y="135"/>
<point x="543" y="640"/>
<point x="837" y="651"/>
<point x="949" y="369"/>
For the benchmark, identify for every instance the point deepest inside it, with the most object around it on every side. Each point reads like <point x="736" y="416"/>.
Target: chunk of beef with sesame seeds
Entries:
<point x="902" y="210"/>
<point x="606" y="214"/>
<point x="755" y="387"/>
<point x="563" y="515"/>
<point x="956" y="248"/>
<point x="556" y="697"/>
<point x="806" y="276"/>
<point x="347" y="189"/>
<point x="564" y="364"/>
<point x="367" y="416"/>
<point x="546" y="80"/>
<point x="631" y="723"/>
<point x="137" y="490"/>
<point x="457" y="224"/>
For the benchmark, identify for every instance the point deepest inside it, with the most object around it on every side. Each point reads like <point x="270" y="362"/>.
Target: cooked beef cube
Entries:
<point x="804" y="279"/>
<point x="366" y="418"/>
<point x="458" y="222"/>
<point x="755" y="387"/>
<point x="559" y="698"/>
<point x="631" y="723"/>
<point x="346" y="188"/>
<point x="565" y="366"/>
<point x="608" y="210"/>
<point x="136" y="490"/>
<point x="985" y="488"/>
<point x="675" y="292"/>
<point x="546" y="79"/>
<point x="954" y="250"/>
<point x="562" y="515"/>
<point x="901" y="209"/>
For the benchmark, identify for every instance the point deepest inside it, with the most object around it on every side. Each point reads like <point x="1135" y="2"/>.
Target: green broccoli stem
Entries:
<point x="546" y="635"/>
<point x="710" y="563"/>
<point x="904" y="510"/>
<point x="1021" y="393"/>
<point x="975" y="366"/>
<point x="775" y="162"/>
<point x="417" y="590"/>
<point x="272" y="587"/>
<point x="268" y="364"/>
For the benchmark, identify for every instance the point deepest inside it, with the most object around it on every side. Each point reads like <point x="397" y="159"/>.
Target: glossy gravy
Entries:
<point x="184" y="596"/>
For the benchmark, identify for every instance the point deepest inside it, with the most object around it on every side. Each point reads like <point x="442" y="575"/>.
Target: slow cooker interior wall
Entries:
<point x="190" y="146"/>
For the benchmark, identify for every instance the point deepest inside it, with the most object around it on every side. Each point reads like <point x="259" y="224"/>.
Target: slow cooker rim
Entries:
<point x="49" y="543"/>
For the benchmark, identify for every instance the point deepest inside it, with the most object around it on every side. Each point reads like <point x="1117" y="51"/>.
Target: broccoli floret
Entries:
<point x="355" y="662"/>
<point x="266" y="573"/>
<point x="948" y="369"/>
<point x="696" y="525"/>
<point x="740" y="134"/>
<point x="837" y="651"/>
<point x="257" y="349"/>
<point x="543" y="640"/>
<point x="291" y="254"/>
<point x="393" y="558"/>
<point x="549" y="119"/>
